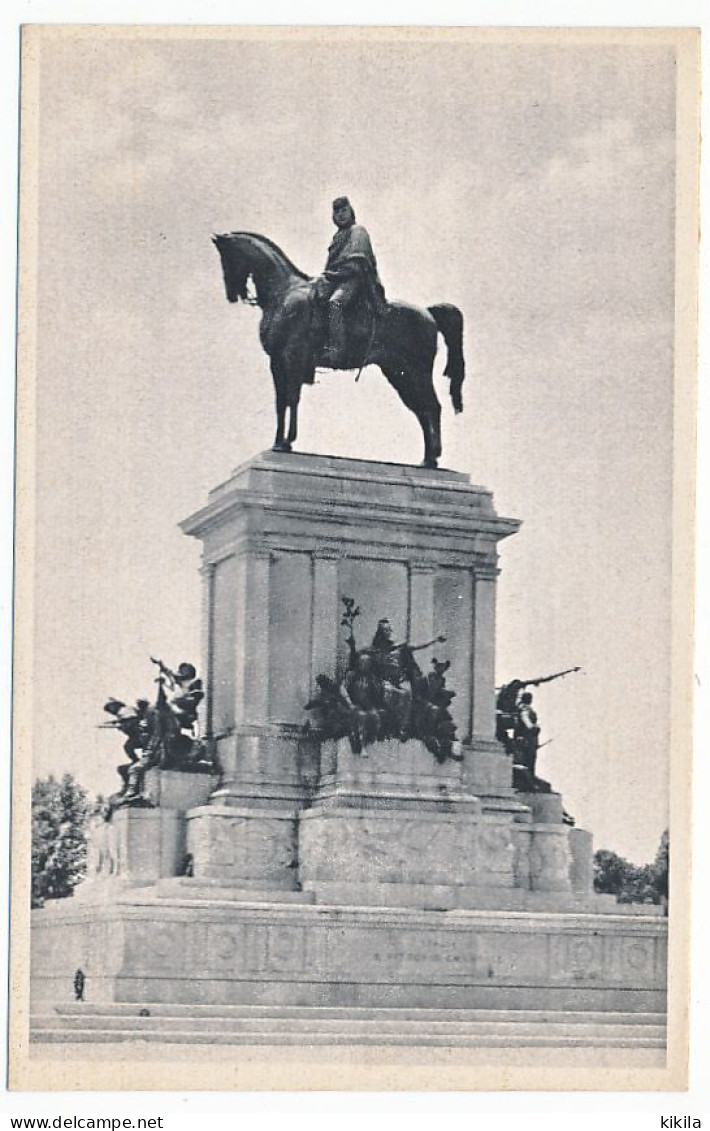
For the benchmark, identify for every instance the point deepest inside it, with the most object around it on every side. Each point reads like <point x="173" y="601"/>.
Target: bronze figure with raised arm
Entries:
<point x="508" y="701"/>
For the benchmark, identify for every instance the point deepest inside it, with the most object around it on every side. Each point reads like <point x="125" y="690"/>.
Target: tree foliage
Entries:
<point x="633" y="883"/>
<point x="661" y="864"/>
<point x="60" y="812"/>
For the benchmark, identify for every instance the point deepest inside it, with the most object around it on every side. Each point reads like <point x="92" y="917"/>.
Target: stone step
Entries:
<point x="365" y="1013"/>
<point x="448" y="897"/>
<point x="217" y="891"/>
<point x="509" y="1037"/>
<point x="386" y="896"/>
<point x="303" y="1025"/>
<point x="244" y="1025"/>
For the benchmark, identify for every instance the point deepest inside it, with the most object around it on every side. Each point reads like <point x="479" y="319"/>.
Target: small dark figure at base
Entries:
<point x="79" y="983"/>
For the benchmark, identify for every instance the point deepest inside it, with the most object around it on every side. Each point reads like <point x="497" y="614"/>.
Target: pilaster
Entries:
<point x="324" y="611"/>
<point x="252" y="637"/>
<point x="483" y="709"/>
<point x="207" y="572"/>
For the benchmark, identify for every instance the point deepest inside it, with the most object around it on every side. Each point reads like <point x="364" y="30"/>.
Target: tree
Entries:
<point x="660" y="867"/>
<point x="633" y="883"/>
<point x="610" y="872"/>
<point x="639" y="886"/>
<point x="60" y="811"/>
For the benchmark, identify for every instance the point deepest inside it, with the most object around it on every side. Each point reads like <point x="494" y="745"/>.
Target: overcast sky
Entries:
<point x="532" y="185"/>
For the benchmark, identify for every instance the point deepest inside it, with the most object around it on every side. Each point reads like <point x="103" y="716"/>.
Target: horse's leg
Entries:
<point x="434" y="430"/>
<point x="280" y="444"/>
<point x="300" y="370"/>
<point x="293" y="419"/>
<point x="416" y="390"/>
<point x="428" y="413"/>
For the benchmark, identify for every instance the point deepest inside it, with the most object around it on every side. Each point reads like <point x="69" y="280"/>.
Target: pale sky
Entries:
<point x="532" y="185"/>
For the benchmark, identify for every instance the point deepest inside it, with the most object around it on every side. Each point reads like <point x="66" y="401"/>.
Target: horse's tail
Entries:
<point x="449" y="321"/>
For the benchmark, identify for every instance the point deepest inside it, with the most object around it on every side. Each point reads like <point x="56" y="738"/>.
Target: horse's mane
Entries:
<point x="274" y="247"/>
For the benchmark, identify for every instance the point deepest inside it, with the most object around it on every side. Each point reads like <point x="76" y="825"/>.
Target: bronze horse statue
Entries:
<point x="402" y="341"/>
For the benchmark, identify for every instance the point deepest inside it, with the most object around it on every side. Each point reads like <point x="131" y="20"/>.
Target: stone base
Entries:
<point x="459" y="897"/>
<point x="247" y="847"/>
<point x="392" y="846"/>
<point x="487" y="769"/>
<point x="403" y="774"/>
<point x="581" y="849"/>
<point x="637" y="1034"/>
<point x="393" y="820"/>
<point x="217" y="891"/>
<point x="269" y="766"/>
<point x="135" y="848"/>
<point x="152" y="949"/>
<point x="176" y="789"/>
<point x="141" y="845"/>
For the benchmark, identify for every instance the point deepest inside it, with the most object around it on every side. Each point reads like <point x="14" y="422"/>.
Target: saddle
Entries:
<point x="360" y="319"/>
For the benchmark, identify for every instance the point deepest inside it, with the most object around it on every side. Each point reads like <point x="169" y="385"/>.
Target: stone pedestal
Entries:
<point x="550" y="858"/>
<point x="389" y="773"/>
<point x="582" y="861"/>
<point x="246" y="847"/>
<point x="284" y="539"/>
<point x="175" y="789"/>
<point x="136" y="848"/>
<point x="140" y="846"/>
<point x="489" y="771"/>
<point x="214" y="953"/>
<point x="321" y="877"/>
<point x="392" y="826"/>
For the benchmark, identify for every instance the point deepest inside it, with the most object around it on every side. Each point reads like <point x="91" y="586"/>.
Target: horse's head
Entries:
<point x="236" y="266"/>
<point x="246" y="254"/>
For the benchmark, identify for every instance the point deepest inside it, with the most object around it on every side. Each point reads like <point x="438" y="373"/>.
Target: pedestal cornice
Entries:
<point x="309" y="489"/>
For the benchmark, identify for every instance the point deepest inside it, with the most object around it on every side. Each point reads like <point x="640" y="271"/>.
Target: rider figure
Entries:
<point x="350" y="275"/>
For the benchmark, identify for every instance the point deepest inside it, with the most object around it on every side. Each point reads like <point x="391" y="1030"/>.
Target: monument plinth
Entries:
<point x="351" y="870"/>
<point x="284" y="540"/>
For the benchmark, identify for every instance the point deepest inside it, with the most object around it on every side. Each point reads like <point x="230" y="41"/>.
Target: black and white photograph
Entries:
<point x="354" y="586"/>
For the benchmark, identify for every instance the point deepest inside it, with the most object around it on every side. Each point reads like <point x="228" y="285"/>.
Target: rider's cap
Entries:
<point x="341" y="202"/>
<point x="186" y="671"/>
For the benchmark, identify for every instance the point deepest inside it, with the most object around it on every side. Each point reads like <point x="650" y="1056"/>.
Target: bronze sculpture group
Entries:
<point x="384" y="694"/>
<point x="162" y="735"/>
<point x="341" y="320"/>
<point x="518" y="730"/>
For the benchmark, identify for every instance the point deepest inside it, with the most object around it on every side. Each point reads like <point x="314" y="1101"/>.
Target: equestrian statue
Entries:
<point x="342" y="320"/>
